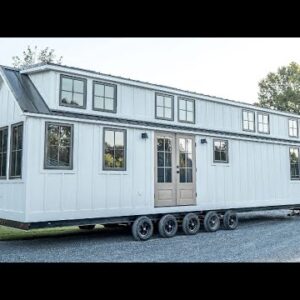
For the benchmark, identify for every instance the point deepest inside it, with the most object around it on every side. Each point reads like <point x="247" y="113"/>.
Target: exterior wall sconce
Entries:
<point x="203" y="141"/>
<point x="144" y="135"/>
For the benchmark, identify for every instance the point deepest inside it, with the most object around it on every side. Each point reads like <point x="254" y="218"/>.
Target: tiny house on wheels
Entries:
<point x="78" y="147"/>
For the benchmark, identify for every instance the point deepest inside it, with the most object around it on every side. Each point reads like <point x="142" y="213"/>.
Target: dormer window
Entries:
<point x="72" y="91"/>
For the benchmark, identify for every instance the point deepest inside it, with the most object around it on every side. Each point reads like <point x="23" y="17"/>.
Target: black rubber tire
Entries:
<point x="87" y="227"/>
<point x="211" y="221"/>
<point x="230" y="220"/>
<point x="190" y="224"/>
<point x="142" y="228"/>
<point x="167" y="226"/>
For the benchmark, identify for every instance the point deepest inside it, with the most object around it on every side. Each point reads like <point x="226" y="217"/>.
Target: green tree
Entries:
<point x="281" y="90"/>
<point x="33" y="56"/>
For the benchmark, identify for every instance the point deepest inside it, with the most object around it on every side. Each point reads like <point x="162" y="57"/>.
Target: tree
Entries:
<point x="281" y="90"/>
<point x="33" y="56"/>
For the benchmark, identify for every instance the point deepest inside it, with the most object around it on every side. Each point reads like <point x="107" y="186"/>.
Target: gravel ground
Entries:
<point x="260" y="237"/>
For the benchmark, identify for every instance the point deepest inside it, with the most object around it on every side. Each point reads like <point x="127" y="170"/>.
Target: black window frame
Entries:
<point x="20" y="124"/>
<point x="104" y="168"/>
<point x="178" y="110"/>
<point x="172" y="106"/>
<point x="297" y="122"/>
<point x="46" y="167"/>
<point x="253" y="112"/>
<point x="3" y="177"/>
<point x="115" y="96"/>
<point x="298" y="149"/>
<point x="263" y="114"/>
<point x="84" y="80"/>
<point x="227" y="151"/>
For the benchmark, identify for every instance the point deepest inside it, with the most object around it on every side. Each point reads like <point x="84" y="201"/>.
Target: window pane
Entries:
<point x="182" y="145"/>
<point x="52" y="158"/>
<point x="109" y="138"/>
<point x="4" y="139"/>
<point x="260" y="118"/>
<point x="182" y="160"/>
<point x="99" y="102"/>
<point x="182" y="104"/>
<point x="109" y="104"/>
<point x="189" y="175"/>
<point x="266" y="128"/>
<point x="77" y="99"/>
<point x="217" y="145"/>
<point x="109" y="158"/>
<point x="66" y="97"/>
<point x="223" y="156"/>
<point x="160" y="175"/>
<point x="217" y="155"/>
<point x="18" y="163"/>
<point x="160" y="159"/>
<point x="160" y="144"/>
<point x="189" y="160"/>
<point x="119" y="139"/>
<point x="168" y="175"/>
<point x="15" y="138"/>
<point x="190" y="116"/>
<point x="64" y="157"/>
<point x="260" y="127"/>
<point x="168" y="145"/>
<point x="266" y="119"/>
<point x="99" y="90"/>
<point x="250" y="116"/>
<point x="20" y="137"/>
<point x="245" y="116"/>
<point x="53" y="135"/>
<point x="109" y="91"/>
<point x="168" y="102"/>
<point x="189" y="145"/>
<point x="168" y="113"/>
<point x="168" y="160"/>
<point x="159" y="112"/>
<point x="182" y="175"/>
<point x="65" y="136"/>
<point x="159" y="101"/>
<point x="251" y="126"/>
<point x="66" y="84"/>
<point x="78" y="86"/>
<point x="119" y="159"/>
<point x="190" y="105"/>
<point x="182" y="115"/>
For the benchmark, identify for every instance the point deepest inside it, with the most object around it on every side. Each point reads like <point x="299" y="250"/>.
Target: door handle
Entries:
<point x="177" y="171"/>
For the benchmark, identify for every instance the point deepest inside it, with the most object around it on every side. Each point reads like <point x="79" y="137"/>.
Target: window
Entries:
<point x="186" y="110"/>
<point x="59" y="146"/>
<point x="3" y="152"/>
<point x="293" y="128"/>
<point x="105" y="97"/>
<point x="72" y="91"/>
<point x="16" y="151"/>
<point x="164" y="159"/>
<point x="220" y="151"/>
<point x="164" y="107"/>
<point x="294" y="163"/>
<point x="248" y="120"/>
<point x="114" y="149"/>
<point x="185" y="160"/>
<point x="263" y="123"/>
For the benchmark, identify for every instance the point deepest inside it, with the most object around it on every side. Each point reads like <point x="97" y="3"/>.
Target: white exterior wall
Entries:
<point x="139" y="103"/>
<point x="12" y="192"/>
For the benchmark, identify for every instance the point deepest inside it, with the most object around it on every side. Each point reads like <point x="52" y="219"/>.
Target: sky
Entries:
<point x="225" y="67"/>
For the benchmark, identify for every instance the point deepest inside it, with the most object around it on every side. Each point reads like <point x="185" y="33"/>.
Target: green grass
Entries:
<point x="7" y="233"/>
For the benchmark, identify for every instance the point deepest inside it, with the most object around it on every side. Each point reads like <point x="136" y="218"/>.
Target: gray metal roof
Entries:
<point x="25" y="92"/>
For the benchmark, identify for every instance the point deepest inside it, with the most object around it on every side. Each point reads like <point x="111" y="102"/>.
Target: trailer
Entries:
<point x="78" y="147"/>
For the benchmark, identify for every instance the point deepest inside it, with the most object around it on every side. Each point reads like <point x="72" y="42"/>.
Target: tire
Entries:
<point x="230" y="220"/>
<point x="142" y="229"/>
<point x="211" y="221"/>
<point x="167" y="226"/>
<point x="87" y="227"/>
<point x="190" y="224"/>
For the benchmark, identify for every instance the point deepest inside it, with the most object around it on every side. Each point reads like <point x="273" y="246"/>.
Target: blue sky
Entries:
<point x="224" y="67"/>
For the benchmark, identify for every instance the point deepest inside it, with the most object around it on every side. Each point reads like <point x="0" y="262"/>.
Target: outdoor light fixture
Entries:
<point x="203" y="141"/>
<point x="144" y="135"/>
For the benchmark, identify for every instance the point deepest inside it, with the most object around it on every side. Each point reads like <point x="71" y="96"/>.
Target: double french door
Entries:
<point x="174" y="170"/>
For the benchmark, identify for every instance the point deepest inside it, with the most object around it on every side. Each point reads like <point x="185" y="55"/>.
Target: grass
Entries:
<point x="7" y="233"/>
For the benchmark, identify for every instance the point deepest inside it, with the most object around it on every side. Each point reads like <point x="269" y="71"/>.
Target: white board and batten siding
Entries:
<point x="12" y="192"/>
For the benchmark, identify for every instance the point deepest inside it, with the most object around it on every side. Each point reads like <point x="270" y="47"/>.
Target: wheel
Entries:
<point x="142" y="229"/>
<point x="190" y="224"/>
<point x="211" y="221"/>
<point x="230" y="220"/>
<point x="167" y="226"/>
<point x="87" y="227"/>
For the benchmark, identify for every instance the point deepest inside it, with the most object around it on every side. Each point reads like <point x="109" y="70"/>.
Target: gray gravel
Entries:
<point x="260" y="237"/>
